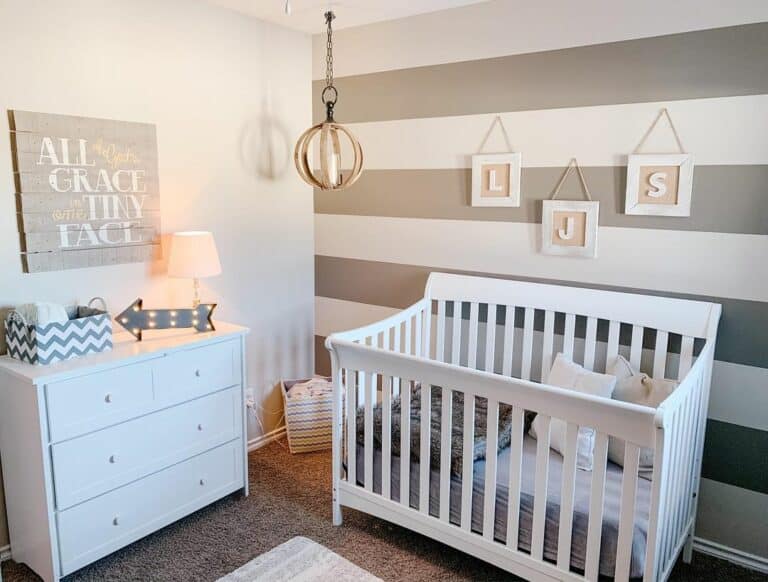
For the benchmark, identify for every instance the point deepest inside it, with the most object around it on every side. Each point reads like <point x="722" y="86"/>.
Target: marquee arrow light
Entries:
<point x="137" y="319"/>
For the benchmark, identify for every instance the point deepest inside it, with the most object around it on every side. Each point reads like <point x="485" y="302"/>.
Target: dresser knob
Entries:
<point x="199" y="427"/>
<point x="202" y="482"/>
<point x="197" y="373"/>
<point x="115" y="521"/>
<point x="112" y="459"/>
<point x="108" y="398"/>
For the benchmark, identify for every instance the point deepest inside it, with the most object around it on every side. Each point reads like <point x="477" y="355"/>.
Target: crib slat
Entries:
<point x="472" y="350"/>
<point x="418" y="325"/>
<point x="405" y="443"/>
<point x="686" y="357"/>
<point x="547" y="347"/>
<point x="408" y="335"/>
<point x="636" y="347"/>
<point x="687" y="449"/>
<point x="426" y="337"/>
<point x="569" y="334"/>
<point x="627" y="512"/>
<point x="660" y="354"/>
<point x="540" y="490"/>
<point x="467" y="465"/>
<point x="351" y="427"/>
<point x="396" y="348"/>
<point x="367" y="384"/>
<point x="613" y="342"/>
<point x="590" y="341"/>
<point x="527" y="344"/>
<point x="490" y="338"/>
<point x="566" y="498"/>
<point x="492" y="447"/>
<point x="440" y="343"/>
<point x="673" y="434"/>
<point x="456" y="329"/>
<point x="595" y="528"/>
<point x="515" y="470"/>
<point x="386" y="437"/>
<point x="424" y="452"/>
<point x="509" y="340"/>
<point x="445" y="454"/>
<point x="377" y="341"/>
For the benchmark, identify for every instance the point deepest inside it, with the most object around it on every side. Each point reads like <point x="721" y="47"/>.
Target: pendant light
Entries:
<point x="329" y="176"/>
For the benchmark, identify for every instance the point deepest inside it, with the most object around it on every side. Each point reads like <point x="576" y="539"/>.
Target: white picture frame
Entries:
<point x="491" y="189"/>
<point x="641" y="186"/>
<point x="560" y="242"/>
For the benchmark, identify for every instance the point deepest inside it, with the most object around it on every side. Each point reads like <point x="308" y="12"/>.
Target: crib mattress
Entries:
<point x="611" y="504"/>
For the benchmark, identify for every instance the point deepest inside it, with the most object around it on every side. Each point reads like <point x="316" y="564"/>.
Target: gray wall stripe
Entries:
<point x="322" y="357"/>
<point x="721" y="62"/>
<point x="741" y="339"/>
<point x="733" y="454"/>
<point x="736" y="455"/>
<point x="734" y="517"/>
<point x="446" y="194"/>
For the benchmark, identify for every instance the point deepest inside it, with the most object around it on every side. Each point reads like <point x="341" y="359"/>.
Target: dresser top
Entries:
<point x="126" y="350"/>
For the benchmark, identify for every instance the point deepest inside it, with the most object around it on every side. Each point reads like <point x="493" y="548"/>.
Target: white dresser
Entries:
<point x="100" y="451"/>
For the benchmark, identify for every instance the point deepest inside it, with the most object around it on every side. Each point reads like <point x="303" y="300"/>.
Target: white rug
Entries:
<point x="300" y="560"/>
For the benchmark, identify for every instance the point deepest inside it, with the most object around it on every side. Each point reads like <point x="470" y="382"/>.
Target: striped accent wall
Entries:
<point x="409" y="214"/>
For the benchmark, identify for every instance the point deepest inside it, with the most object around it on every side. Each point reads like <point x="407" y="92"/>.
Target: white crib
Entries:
<point x="512" y="332"/>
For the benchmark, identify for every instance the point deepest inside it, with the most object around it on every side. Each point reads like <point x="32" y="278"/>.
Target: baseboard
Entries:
<point x="5" y="553"/>
<point x="733" y="555"/>
<point x="260" y="441"/>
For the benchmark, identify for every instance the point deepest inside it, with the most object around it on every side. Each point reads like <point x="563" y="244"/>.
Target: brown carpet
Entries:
<point x="290" y="496"/>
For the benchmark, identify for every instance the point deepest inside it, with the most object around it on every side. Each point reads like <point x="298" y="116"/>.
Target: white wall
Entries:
<point x="207" y="78"/>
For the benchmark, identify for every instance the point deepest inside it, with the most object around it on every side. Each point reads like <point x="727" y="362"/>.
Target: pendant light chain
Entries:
<point x="329" y="90"/>
<point x="329" y="16"/>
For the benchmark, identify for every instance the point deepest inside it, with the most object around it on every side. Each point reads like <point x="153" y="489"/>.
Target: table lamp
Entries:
<point x="193" y="256"/>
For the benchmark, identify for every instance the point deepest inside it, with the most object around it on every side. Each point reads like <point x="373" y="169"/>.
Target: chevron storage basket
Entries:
<point x="88" y="331"/>
<point x="308" y="419"/>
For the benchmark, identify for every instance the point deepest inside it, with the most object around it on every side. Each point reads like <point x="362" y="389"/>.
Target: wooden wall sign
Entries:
<point x="87" y="191"/>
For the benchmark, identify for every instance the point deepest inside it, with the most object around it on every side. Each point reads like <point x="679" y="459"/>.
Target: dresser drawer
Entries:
<point x="93" y="401"/>
<point x="97" y="527"/>
<point x="98" y="462"/>
<point x="190" y="373"/>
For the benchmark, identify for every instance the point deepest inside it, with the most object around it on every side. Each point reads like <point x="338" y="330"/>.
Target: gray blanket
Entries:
<point x="457" y="425"/>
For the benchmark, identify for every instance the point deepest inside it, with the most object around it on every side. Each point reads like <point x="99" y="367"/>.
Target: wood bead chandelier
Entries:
<point x="329" y="176"/>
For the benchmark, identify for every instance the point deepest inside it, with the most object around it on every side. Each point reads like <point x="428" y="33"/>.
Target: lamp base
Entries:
<point x="196" y="293"/>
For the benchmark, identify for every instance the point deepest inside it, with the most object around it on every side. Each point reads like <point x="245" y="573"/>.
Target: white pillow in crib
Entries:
<point x="637" y="388"/>
<point x="567" y="374"/>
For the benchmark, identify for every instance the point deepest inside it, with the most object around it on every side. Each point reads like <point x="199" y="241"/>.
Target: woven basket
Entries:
<point x="308" y="420"/>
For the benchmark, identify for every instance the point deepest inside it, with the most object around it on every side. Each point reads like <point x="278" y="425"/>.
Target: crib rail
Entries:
<point x="681" y="419"/>
<point x="496" y="340"/>
<point x="636" y="425"/>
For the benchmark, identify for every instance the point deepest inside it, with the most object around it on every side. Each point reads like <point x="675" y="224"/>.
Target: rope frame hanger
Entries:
<point x="663" y="113"/>
<point x="496" y="121"/>
<point x="572" y="164"/>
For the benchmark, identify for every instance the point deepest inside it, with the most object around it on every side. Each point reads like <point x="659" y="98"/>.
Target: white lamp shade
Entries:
<point x="193" y="255"/>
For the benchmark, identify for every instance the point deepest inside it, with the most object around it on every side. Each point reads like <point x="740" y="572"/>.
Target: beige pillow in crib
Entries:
<point x="567" y="374"/>
<point x="637" y="388"/>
